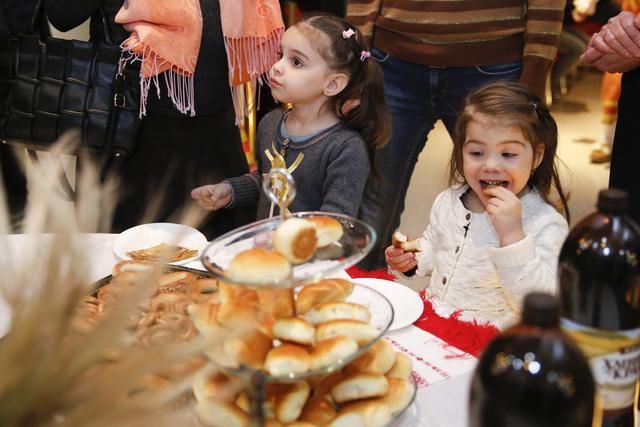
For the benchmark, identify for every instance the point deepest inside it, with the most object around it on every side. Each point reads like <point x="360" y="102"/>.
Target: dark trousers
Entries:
<point x="13" y="180"/>
<point x="625" y="155"/>
<point x="173" y="156"/>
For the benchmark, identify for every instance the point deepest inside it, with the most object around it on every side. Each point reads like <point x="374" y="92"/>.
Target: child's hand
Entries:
<point x="212" y="197"/>
<point x="400" y="260"/>
<point x="505" y="211"/>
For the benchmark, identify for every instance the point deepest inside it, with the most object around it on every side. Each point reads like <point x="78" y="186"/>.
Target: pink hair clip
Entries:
<point x="364" y="55"/>
<point x="348" y="33"/>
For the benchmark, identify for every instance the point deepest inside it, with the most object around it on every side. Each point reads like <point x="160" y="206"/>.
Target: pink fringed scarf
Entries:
<point x="165" y="36"/>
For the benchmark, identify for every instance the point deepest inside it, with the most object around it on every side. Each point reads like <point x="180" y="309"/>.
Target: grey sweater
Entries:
<point x="331" y="177"/>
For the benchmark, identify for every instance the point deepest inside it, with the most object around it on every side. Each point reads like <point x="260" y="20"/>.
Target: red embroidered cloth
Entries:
<point x="471" y="337"/>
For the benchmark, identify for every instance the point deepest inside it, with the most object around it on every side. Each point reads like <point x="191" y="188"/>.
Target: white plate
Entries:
<point x="407" y="305"/>
<point x="147" y="235"/>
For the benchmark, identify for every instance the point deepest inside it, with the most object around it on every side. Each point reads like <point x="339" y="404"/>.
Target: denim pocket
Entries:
<point x="379" y="55"/>
<point x="500" y="69"/>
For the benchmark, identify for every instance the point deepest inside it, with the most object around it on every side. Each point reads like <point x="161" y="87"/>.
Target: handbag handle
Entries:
<point x="39" y="21"/>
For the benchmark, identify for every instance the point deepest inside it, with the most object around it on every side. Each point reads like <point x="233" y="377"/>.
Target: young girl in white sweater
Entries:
<point x="493" y="236"/>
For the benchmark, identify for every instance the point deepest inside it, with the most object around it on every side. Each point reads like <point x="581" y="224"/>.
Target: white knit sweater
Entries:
<point x="471" y="272"/>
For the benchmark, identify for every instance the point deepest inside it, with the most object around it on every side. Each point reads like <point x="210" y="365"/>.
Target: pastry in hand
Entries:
<point x="401" y="241"/>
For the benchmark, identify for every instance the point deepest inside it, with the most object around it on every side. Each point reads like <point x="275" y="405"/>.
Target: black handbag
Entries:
<point x="49" y="86"/>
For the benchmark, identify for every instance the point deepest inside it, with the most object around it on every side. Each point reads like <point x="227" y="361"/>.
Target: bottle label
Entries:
<point x="614" y="357"/>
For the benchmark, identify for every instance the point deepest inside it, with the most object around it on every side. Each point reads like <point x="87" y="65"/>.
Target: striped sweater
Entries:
<point x="464" y="32"/>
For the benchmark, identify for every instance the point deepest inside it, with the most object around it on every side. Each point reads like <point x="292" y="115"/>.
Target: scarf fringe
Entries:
<point x="252" y="56"/>
<point x="178" y="82"/>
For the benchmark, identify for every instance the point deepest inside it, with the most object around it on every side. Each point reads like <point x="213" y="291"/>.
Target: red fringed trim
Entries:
<point x="471" y="337"/>
<point x="356" y="272"/>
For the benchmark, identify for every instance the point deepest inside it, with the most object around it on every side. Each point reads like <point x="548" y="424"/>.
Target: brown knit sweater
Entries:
<point x="465" y="32"/>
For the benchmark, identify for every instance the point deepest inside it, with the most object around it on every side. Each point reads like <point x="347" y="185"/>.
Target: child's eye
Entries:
<point x="296" y="62"/>
<point x="475" y="153"/>
<point x="280" y="55"/>
<point x="509" y="155"/>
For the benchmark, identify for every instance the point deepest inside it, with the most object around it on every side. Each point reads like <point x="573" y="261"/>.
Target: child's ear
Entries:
<point x="538" y="156"/>
<point x="335" y="84"/>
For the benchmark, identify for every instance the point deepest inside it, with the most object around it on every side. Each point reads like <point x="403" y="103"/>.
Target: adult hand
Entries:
<point x="615" y="63"/>
<point x="505" y="212"/>
<point x="400" y="260"/>
<point x="620" y="36"/>
<point x="212" y="197"/>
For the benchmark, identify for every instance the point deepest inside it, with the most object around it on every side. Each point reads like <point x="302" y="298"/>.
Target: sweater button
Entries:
<point x="468" y="216"/>
<point x="457" y="249"/>
<point x="444" y="280"/>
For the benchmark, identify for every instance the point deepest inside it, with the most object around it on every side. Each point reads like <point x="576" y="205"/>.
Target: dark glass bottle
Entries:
<point x="532" y="375"/>
<point x="599" y="279"/>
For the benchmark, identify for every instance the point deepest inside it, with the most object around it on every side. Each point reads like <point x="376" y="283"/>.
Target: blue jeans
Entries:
<point x="417" y="96"/>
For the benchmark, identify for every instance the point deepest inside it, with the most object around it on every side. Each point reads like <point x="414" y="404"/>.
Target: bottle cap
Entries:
<point x="613" y="200"/>
<point x="541" y="309"/>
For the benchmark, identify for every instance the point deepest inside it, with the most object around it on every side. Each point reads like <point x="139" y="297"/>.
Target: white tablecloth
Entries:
<point x="443" y="373"/>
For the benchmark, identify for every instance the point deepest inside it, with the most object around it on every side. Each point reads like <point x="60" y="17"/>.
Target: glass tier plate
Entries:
<point x="356" y="242"/>
<point x="381" y="318"/>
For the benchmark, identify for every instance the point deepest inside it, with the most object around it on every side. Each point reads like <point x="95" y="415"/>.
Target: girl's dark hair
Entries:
<point x="370" y="118"/>
<point x="514" y="104"/>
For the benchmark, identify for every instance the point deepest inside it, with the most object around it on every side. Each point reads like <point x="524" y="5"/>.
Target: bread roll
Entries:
<point x="338" y="310"/>
<point x="289" y="402"/>
<point x="239" y="314"/>
<point x="359" y="386"/>
<point x="398" y="396"/>
<point x="217" y="385"/>
<point x="277" y="302"/>
<point x="362" y="414"/>
<point x="294" y="329"/>
<point x="377" y="360"/>
<point x="217" y="413"/>
<point x="328" y="230"/>
<point x="324" y="291"/>
<point x="322" y="386"/>
<point x="176" y="281"/>
<point x="400" y="240"/>
<point x="133" y="266"/>
<point x="247" y="347"/>
<point x="204" y="316"/>
<point x="318" y="411"/>
<point x="330" y="351"/>
<point x="287" y="359"/>
<point x="295" y="239"/>
<point x="244" y="402"/>
<point x="257" y="266"/>
<point x="401" y="368"/>
<point x="233" y="293"/>
<point x="361" y="332"/>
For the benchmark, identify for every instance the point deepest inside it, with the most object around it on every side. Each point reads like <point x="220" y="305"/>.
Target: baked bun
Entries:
<point x="290" y="401"/>
<point x="318" y="411"/>
<point x="287" y="359"/>
<point x="277" y="302"/>
<point x="295" y="239"/>
<point x="204" y="317"/>
<point x="359" y="386"/>
<point x="328" y="352"/>
<point x="400" y="240"/>
<point x="176" y="281"/>
<point x="132" y="266"/>
<point x="398" y="396"/>
<point x="218" y="385"/>
<point x="232" y="293"/>
<point x="377" y="360"/>
<point x="217" y="413"/>
<point x="328" y="230"/>
<point x="247" y="347"/>
<point x="361" y="332"/>
<point x="367" y="413"/>
<point x="401" y="368"/>
<point x="258" y="265"/>
<point x="326" y="290"/>
<point x="294" y="329"/>
<point x="338" y="310"/>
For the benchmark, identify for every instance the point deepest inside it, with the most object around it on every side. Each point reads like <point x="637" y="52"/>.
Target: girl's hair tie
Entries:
<point x="364" y="55"/>
<point x="348" y="33"/>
